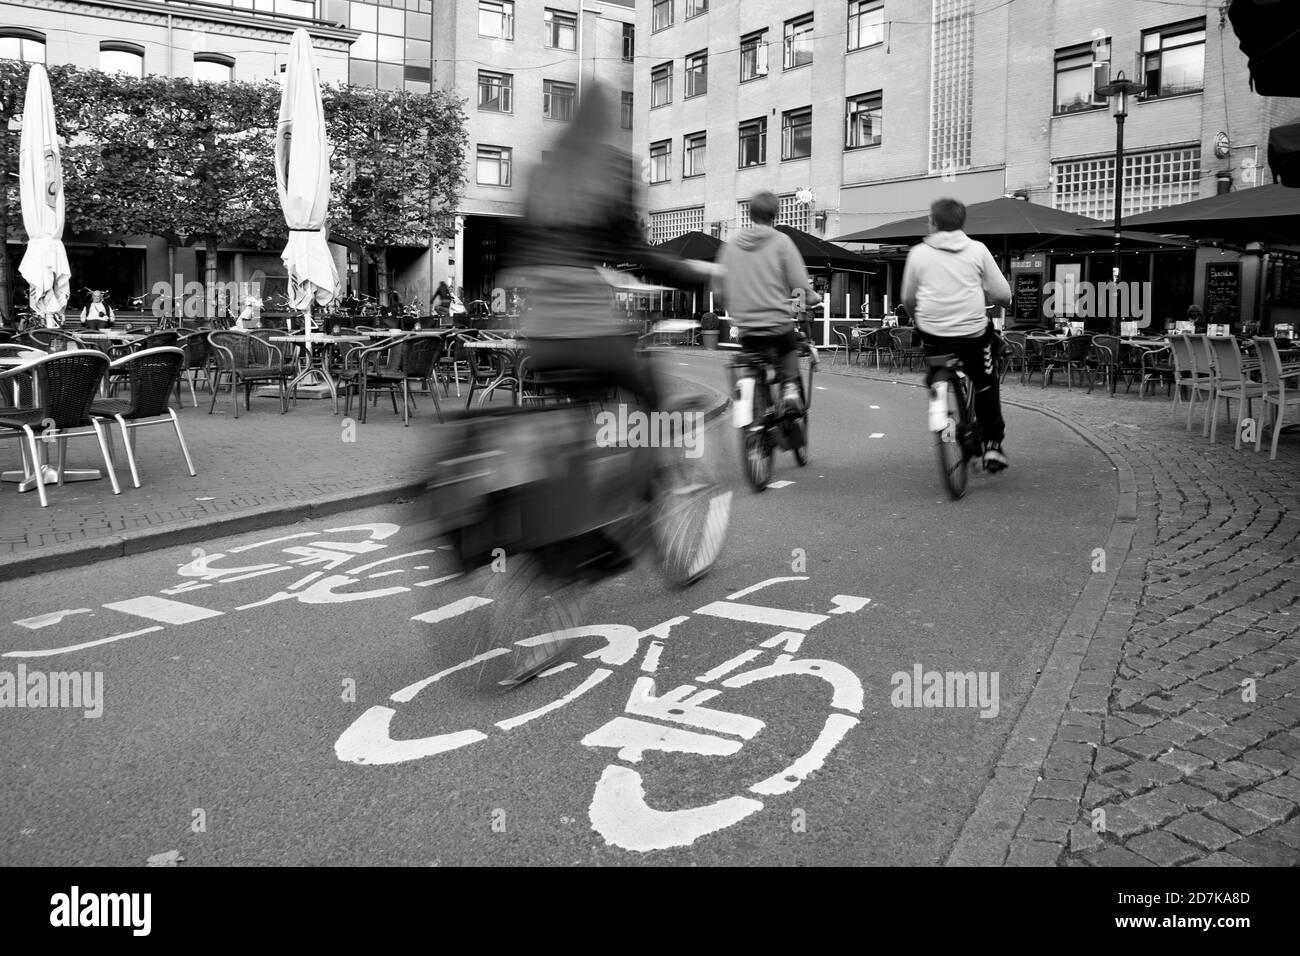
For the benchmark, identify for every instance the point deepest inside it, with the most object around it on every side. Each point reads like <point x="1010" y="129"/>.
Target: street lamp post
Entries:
<point x="1119" y="90"/>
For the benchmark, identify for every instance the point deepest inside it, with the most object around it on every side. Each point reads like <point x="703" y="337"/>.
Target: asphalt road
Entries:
<point x="246" y="721"/>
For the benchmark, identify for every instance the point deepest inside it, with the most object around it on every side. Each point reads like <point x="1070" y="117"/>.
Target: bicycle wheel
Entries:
<point x="690" y="513"/>
<point x="801" y="424"/>
<point x="756" y="443"/>
<point x="950" y="444"/>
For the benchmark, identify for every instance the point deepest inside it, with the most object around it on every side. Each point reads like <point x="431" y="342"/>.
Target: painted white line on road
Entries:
<point x="187" y="586"/>
<point x="770" y="616"/>
<point x="792" y="641"/>
<point x="876" y="435"/>
<point x="80" y="647"/>
<point x="445" y="577"/>
<point x="367" y="741"/>
<point x="384" y="574"/>
<point x="556" y="670"/>
<point x="820" y="388"/>
<point x="305" y="580"/>
<point x="763" y="584"/>
<point x="455" y="609"/>
<point x="408" y="693"/>
<point x="651" y="662"/>
<point x="45" y="620"/>
<point x="163" y="610"/>
<point x="619" y="813"/>
<point x="779" y="484"/>
<point x="726" y="667"/>
<point x="257" y="574"/>
<point x="633" y="738"/>
<point x="836" y="726"/>
<point x="287" y="537"/>
<point x="596" y="677"/>
<point x="876" y="407"/>
<point x="848" y="604"/>
<point x="399" y="557"/>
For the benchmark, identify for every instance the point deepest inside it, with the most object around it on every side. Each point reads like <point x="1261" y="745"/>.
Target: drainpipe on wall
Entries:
<point x="581" y="11"/>
<point x="171" y="71"/>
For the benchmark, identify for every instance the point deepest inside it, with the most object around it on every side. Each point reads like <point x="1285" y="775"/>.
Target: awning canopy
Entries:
<point x="692" y="245"/>
<point x="1002" y="221"/>
<point x="1261" y="214"/>
<point x="1284" y="153"/>
<point x="822" y="256"/>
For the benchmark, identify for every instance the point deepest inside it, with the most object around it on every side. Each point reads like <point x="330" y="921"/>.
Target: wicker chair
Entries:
<point x="152" y="374"/>
<point x="1156" y="366"/>
<point x="1071" y="355"/>
<point x="418" y="355"/>
<point x="248" y="361"/>
<point x="876" y="342"/>
<point x="198" y="356"/>
<point x="381" y="362"/>
<point x="47" y="339"/>
<point x="66" y="383"/>
<point x="907" y="347"/>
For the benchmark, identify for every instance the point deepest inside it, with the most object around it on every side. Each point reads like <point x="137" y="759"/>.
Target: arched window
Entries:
<point x="17" y="43"/>
<point x="118" y="57"/>
<point x="214" y="68"/>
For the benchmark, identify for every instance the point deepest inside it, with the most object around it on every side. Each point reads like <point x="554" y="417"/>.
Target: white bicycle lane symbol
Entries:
<point x="671" y="721"/>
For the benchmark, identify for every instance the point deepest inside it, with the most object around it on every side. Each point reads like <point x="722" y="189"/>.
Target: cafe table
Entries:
<point x="513" y="349"/>
<point x="28" y="482"/>
<point x="314" y="368"/>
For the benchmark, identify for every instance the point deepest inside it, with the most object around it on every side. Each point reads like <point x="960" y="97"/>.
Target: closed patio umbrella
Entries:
<point x="302" y="179"/>
<point x="40" y="178"/>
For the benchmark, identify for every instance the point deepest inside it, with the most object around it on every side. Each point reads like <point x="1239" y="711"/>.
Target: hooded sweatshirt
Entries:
<point x="761" y="267"/>
<point x="947" y="277"/>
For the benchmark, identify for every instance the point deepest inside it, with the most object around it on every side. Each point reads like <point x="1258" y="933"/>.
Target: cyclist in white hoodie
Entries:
<point x="946" y="283"/>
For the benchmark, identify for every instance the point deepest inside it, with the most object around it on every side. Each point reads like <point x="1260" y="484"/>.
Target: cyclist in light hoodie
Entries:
<point x="948" y="279"/>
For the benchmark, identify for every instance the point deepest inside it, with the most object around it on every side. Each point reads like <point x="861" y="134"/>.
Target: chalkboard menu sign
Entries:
<point x="1027" y="292"/>
<point x="1223" y="288"/>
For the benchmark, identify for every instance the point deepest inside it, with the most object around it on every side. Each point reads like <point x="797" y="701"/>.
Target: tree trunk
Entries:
<point x="210" y="278"/>
<point x="6" y="269"/>
<point x="381" y="273"/>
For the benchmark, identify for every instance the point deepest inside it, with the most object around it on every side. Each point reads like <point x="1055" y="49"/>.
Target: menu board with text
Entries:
<point x="1027" y="296"/>
<point x="1223" y="288"/>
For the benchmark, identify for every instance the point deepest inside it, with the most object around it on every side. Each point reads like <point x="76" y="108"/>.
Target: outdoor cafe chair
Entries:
<point x="1156" y="368"/>
<point x="1191" y="372"/>
<point x="1107" y="353"/>
<point x="1276" y="377"/>
<point x="47" y="339"/>
<point x="198" y="356"/>
<point x="418" y="355"/>
<point x="1011" y="356"/>
<point x="906" y="348"/>
<point x="372" y="366"/>
<point x="248" y="361"/>
<point x="843" y="348"/>
<point x="1231" y="383"/>
<point x="876" y="343"/>
<point x="487" y="366"/>
<point x="1070" y="355"/>
<point x="66" y="384"/>
<point x="151" y="374"/>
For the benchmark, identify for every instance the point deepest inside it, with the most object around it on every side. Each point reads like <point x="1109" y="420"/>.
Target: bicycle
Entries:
<point x="958" y="435"/>
<point x="560" y="513"/>
<point x="761" y="415"/>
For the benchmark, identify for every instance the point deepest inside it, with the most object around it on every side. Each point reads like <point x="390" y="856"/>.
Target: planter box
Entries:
<point x="710" y="338"/>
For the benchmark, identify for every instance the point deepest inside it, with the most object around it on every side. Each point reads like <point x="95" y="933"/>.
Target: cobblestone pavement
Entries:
<point x="1180" y="744"/>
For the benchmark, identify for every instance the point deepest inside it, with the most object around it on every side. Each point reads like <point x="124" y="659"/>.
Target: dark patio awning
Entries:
<point x="692" y="245"/>
<point x="1261" y="214"/>
<point x="822" y="256"/>
<point x="1284" y="153"/>
<point x="997" y="222"/>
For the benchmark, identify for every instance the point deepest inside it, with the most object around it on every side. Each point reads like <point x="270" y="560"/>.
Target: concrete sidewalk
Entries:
<point x="262" y="470"/>
<point x="1165" y="729"/>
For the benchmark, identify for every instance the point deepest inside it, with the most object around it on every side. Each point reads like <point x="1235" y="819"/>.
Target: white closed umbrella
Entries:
<point x="302" y="178"/>
<point x="40" y="179"/>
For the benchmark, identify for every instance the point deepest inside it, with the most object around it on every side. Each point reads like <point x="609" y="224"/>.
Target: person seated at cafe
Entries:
<point x="98" y="314"/>
<point x="442" y="300"/>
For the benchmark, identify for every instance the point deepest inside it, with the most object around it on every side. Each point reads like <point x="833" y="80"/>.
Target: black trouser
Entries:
<point x="786" y="343"/>
<point x="613" y="356"/>
<point x="979" y="359"/>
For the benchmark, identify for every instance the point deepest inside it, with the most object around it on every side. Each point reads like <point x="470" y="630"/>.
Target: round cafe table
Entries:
<point x="314" y="369"/>
<point x="514" y="350"/>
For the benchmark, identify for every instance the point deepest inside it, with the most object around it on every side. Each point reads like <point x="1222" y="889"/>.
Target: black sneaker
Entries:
<point x="994" y="459"/>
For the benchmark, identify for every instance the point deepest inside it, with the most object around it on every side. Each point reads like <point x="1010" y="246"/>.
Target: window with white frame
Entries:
<point x="952" y="79"/>
<point x="661" y="85"/>
<point x="625" y="110"/>
<point x="1075" y="78"/>
<point x="1152" y="180"/>
<point x="695" y="7"/>
<point x="495" y="92"/>
<point x="629" y="41"/>
<point x="561" y="30"/>
<point x="26" y="46"/>
<point x="796" y="133"/>
<point x="863" y="120"/>
<point x="753" y="143"/>
<point x="693" y="146"/>
<point x="124" y="58"/>
<point x="753" y="55"/>
<point x="866" y="23"/>
<point x="790" y="212"/>
<point x="671" y="223"/>
<point x="493" y="165"/>
<point x="697" y="73"/>
<point x="661" y="153"/>
<point x="558" y="99"/>
<point x="798" y="48"/>
<point x="661" y="15"/>
<point x="1173" y="59"/>
<point x="496" y="19"/>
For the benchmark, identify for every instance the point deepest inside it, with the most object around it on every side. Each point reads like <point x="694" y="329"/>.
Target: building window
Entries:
<point x="496" y="18"/>
<point x="693" y="155"/>
<point x="125" y="58"/>
<point x="695" y="7"/>
<point x="753" y="143"/>
<point x="866" y="23"/>
<point x="798" y="50"/>
<point x="629" y="41"/>
<point x="862" y="121"/>
<point x="1151" y="181"/>
<point x="796" y="133"/>
<point x="1173" y="59"/>
<point x="753" y="55"/>
<point x="393" y="49"/>
<point x="697" y="73"/>
<point x="790" y="212"/>
<point x="1075" y="78"/>
<point x="561" y="30"/>
<point x="26" y="46"/>
<point x="495" y="92"/>
<point x="660" y="155"/>
<point x="213" y="68"/>
<point x="493" y="166"/>
<point x="625" y="111"/>
<point x="557" y="99"/>
<point x="661" y="15"/>
<point x="675" y="222"/>
<point x="952" y="75"/>
<point x="661" y="85"/>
